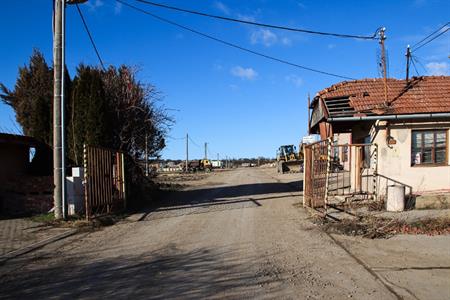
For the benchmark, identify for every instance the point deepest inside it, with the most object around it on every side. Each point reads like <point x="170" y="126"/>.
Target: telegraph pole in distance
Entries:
<point x="206" y="150"/>
<point x="187" y="152"/>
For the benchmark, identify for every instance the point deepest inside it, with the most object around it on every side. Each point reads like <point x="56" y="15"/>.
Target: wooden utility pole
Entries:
<point x="206" y="150"/>
<point x="187" y="152"/>
<point x="408" y="59"/>
<point x="383" y="62"/>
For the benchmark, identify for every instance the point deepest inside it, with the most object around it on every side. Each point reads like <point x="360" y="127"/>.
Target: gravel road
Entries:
<point x="235" y="235"/>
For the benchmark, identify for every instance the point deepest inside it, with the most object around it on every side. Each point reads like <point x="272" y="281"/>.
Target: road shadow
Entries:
<point x="168" y="273"/>
<point x="212" y="195"/>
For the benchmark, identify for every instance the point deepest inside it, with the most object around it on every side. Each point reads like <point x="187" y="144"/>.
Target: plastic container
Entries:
<point x="395" y="198"/>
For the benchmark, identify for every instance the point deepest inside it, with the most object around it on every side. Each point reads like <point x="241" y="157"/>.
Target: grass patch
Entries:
<point x="43" y="218"/>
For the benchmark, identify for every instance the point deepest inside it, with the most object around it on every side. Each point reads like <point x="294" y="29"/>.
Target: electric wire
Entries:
<point x="414" y="65"/>
<point x="90" y="37"/>
<point x="233" y="45"/>
<point x="434" y="32"/>
<point x="429" y="41"/>
<point x="257" y="23"/>
<point x="193" y="142"/>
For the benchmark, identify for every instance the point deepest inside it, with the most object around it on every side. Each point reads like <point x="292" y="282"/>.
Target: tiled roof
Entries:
<point x="424" y="94"/>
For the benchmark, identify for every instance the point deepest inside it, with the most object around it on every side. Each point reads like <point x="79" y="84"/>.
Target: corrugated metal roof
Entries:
<point x="424" y="94"/>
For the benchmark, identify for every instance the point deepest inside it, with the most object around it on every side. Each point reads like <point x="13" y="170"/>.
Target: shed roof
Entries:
<point x="425" y="94"/>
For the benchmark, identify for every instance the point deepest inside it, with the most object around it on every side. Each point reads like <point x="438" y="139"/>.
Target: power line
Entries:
<point x="414" y="65"/>
<point x="194" y="142"/>
<point x="259" y="24"/>
<point x="434" y="32"/>
<point x="431" y="40"/>
<point x="90" y="36"/>
<point x="233" y="45"/>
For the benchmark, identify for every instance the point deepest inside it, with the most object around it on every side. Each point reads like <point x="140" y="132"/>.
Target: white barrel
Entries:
<point x="395" y="198"/>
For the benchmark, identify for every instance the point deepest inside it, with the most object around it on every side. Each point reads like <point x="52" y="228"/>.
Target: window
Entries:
<point x="429" y="147"/>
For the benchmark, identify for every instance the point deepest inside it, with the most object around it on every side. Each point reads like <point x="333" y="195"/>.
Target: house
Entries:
<point x="407" y="123"/>
<point x="26" y="181"/>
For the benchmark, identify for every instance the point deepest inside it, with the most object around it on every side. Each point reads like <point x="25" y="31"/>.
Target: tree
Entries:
<point x="32" y="98"/>
<point x="103" y="108"/>
<point x="91" y="117"/>
<point x="136" y="112"/>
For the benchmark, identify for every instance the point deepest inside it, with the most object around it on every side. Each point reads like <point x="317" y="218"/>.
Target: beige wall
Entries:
<point x="394" y="161"/>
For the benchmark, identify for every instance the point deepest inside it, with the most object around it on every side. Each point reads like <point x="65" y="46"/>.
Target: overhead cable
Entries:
<point x="233" y="45"/>
<point x="90" y="37"/>
<point x="428" y="36"/>
<point x="371" y="37"/>
<point x="429" y="41"/>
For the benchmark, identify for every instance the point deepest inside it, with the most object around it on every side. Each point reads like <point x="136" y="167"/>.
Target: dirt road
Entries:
<point x="236" y="235"/>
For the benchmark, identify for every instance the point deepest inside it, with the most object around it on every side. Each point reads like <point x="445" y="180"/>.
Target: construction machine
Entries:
<point x="200" y="165"/>
<point x="288" y="159"/>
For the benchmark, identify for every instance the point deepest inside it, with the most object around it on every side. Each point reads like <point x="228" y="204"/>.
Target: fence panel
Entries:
<point x="104" y="180"/>
<point x="337" y="175"/>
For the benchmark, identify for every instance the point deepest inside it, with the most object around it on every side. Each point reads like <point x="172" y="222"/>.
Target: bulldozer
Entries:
<point x="288" y="159"/>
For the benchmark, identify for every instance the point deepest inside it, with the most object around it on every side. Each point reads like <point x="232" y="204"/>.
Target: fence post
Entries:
<point x="329" y="144"/>
<point x="86" y="180"/>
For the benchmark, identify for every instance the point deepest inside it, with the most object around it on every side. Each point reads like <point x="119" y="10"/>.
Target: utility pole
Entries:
<point x="187" y="152"/>
<point x="59" y="162"/>
<point x="408" y="59"/>
<point x="309" y="117"/>
<point x="206" y="150"/>
<point x="146" y="155"/>
<point x="383" y="62"/>
<point x="58" y="78"/>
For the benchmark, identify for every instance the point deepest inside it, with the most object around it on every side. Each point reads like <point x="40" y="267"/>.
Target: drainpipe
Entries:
<point x="391" y="117"/>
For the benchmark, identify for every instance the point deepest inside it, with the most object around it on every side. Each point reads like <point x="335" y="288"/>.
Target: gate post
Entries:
<point x="328" y="140"/>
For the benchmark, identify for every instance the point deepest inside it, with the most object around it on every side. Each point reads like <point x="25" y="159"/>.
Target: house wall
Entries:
<point x="394" y="161"/>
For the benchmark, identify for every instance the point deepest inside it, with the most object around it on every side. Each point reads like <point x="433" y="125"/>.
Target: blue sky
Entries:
<point x="241" y="104"/>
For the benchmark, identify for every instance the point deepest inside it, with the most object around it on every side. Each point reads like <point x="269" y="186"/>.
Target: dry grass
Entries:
<point x="373" y="227"/>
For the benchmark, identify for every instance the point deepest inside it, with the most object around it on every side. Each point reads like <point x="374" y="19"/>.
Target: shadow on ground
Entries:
<point x="212" y="195"/>
<point x="169" y="273"/>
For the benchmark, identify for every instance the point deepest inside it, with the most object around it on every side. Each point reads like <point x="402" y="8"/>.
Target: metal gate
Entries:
<point x="335" y="176"/>
<point x="104" y="176"/>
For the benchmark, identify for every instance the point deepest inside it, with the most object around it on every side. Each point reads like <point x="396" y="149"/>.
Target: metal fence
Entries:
<point x="104" y="180"/>
<point x="335" y="176"/>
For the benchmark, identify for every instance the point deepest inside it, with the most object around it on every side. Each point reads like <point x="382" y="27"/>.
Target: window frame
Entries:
<point x="433" y="148"/>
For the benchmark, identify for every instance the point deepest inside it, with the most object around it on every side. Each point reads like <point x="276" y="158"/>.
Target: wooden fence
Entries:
<point x="104" y="180"/>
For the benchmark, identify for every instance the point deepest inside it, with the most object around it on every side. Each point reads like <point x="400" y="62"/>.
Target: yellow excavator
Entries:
<point x="288" y="159"/>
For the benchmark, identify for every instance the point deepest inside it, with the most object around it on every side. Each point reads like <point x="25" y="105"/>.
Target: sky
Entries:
<point x="242" y="105"/>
